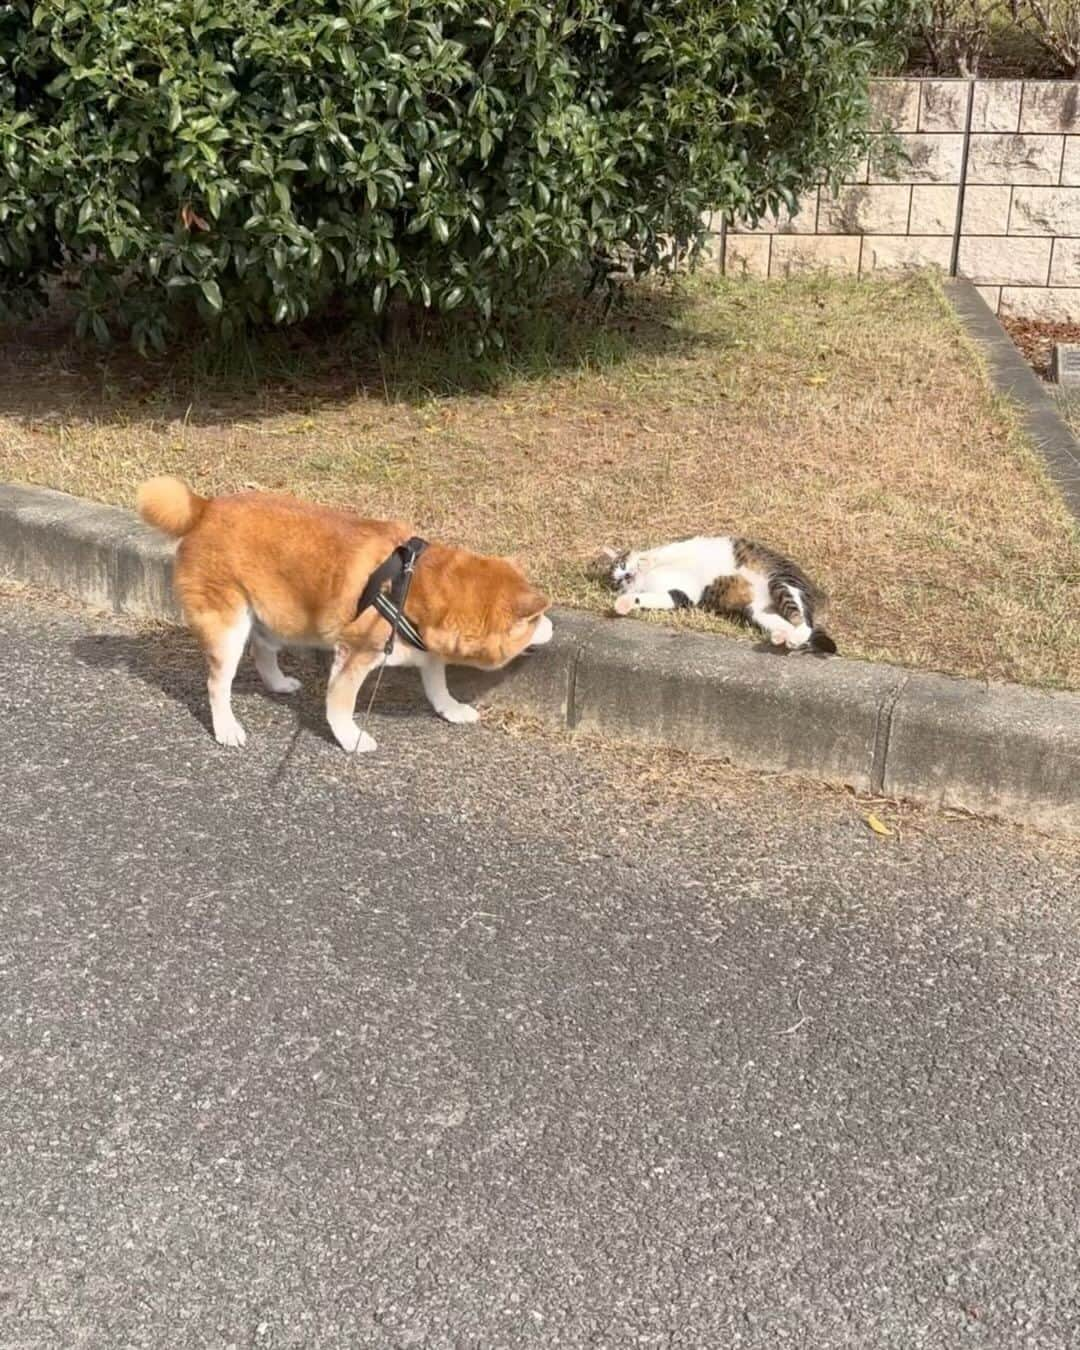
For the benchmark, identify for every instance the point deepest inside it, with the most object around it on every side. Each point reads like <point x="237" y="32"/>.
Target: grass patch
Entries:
<point x="849" y="424"/>
<point x="1068" y="402"/>
<point x="1070" y="410"/>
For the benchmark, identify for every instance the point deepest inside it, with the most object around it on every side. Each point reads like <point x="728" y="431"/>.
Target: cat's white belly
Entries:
<point x="703" y="557"/>
<point x="687" y="582"/>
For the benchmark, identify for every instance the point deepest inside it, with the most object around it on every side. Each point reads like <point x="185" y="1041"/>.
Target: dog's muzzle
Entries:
<point x="543" y="635"/>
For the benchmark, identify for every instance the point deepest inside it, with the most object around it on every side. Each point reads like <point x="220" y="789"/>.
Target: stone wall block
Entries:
<point x="944" y="105"/>
<point x="933" y="209"/>
<point x="904" y="253"/>
<point x="1005" y="262"/>
<point x="1065" y="263"/>
<point x="1050" y="105"/>
<point x="712" y="251"/>
<point x="924" y="159"/>
<point x="1014" y="159"/>
<point x="995" y="105"/>
<point x="747" y="255"/>
<point x="795" y="254"/>
<point x="1045" y="210"/>
<point x="1054" y="304"/>
<point x="803" y="221"/>
<point x="880" y="208"/>
<point x="986" y="209"/>
<point x="895" y="104"/>
<point x="1070" y="162"/>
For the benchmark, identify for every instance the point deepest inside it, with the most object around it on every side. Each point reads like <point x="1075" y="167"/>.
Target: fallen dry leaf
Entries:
<point x="878" y="826"/>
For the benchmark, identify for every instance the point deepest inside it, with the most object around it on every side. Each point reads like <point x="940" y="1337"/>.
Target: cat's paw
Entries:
<point x="625" y="604"/>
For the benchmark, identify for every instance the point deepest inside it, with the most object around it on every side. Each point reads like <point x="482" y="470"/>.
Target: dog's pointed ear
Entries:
<point x="530" y="604"/>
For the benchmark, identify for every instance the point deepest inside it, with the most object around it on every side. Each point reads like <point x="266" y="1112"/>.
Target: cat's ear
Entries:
<point x="603" y="557"/>
<point x="599" y="564"/>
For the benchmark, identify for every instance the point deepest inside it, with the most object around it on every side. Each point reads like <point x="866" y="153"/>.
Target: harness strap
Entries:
<point x="396" y="573"/>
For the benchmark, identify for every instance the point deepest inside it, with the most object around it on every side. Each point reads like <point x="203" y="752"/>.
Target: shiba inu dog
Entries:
<point x="281" y="572"/>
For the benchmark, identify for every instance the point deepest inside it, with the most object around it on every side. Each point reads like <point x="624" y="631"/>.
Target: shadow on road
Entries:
<point x="170" y="660"/>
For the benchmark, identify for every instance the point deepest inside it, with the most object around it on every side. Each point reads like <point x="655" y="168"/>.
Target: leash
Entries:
<point x="398" y="571"/>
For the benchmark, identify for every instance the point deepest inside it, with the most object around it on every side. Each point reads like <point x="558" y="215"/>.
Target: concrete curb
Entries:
<point x="994" y="749"/>
<point x="1013" y="377"/>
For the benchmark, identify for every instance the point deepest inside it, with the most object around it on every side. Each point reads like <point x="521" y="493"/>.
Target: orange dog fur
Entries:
<point x="287" y="573"/>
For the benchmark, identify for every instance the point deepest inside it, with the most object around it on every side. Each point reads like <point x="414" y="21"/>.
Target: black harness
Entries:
<point x="396" y="573"/>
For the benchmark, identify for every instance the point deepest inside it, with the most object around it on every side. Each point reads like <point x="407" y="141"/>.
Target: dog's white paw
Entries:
<point x="461" y="714"/>
<point x="230" y="733"/>
<point x="285" y="684"/>
<point x="351" y="739"/>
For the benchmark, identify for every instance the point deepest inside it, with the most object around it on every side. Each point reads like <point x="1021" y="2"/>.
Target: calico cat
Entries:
<point x="724" y="575"/>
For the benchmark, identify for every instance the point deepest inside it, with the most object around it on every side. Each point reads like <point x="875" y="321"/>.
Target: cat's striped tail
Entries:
<point x="820" y="641"/>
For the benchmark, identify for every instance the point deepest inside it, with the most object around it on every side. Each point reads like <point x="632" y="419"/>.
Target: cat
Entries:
<point x="723" y="575"/>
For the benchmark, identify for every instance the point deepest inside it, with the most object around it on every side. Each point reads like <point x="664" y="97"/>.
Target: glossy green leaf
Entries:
<point x="265" y="160"/>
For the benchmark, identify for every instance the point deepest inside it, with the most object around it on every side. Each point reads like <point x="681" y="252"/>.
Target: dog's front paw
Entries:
<point x="461" y="714"/>
<point x="230" y="733"/>
<point x="351" y="739"/>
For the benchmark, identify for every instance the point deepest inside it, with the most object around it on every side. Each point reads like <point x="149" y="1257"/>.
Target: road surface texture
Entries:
<point x="491" y="1040"/>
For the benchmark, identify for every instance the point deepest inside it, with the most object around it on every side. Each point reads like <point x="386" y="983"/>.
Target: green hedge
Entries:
<point x="246" y="160"/>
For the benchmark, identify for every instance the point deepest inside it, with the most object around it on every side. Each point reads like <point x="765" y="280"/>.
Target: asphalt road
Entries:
<point x="489" y="1040"/>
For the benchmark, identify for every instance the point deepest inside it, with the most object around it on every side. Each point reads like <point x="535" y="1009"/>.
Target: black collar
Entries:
<point x="397" y="570"/>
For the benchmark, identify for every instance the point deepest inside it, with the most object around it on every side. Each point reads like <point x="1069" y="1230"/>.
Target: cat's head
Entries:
<point x="614" y="567"/>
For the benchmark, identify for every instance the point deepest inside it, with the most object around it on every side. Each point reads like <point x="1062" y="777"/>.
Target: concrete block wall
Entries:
<point x="989" y="187"/>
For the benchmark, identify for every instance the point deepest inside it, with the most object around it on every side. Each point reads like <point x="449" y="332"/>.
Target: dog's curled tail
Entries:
<point x="170" y="505"/>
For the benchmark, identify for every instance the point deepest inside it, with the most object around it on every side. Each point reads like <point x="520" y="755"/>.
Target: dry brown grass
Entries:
<point x="849" y="424"/>
<point x="1069" y="406"/>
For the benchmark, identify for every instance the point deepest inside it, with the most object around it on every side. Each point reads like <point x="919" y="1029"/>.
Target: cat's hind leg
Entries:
<point x="764" y="610"/>
<point x="781" y="632"/>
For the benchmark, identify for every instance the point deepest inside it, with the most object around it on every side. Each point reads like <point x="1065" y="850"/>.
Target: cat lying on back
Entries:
<point x="723" y="575"/>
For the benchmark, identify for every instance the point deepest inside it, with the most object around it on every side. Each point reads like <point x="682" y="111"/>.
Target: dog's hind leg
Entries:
<point x="266" y="651"/>
<point x="223" y="637"/>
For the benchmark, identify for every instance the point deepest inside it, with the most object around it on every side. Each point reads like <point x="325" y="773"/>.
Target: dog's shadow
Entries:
<point x="169" y="660"/>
